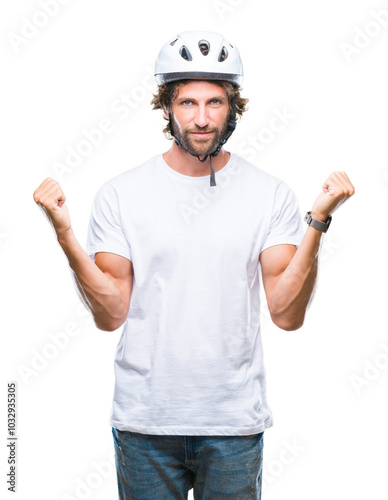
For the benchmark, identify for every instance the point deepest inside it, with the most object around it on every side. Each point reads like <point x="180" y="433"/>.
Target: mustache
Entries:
<point x="202" y="130"/>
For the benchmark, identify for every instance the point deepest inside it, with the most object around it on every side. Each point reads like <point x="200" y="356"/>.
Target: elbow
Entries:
<point x="108" y="326"/>
<point x="108" y="322"/>
<point x="290" y="327"/>
<point x="288" y="324"/>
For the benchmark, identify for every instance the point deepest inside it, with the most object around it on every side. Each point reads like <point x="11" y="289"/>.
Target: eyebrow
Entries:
<point x="188" y="98"/>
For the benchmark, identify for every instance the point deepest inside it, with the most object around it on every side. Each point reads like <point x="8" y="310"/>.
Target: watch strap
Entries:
<point x="317" y="224"/>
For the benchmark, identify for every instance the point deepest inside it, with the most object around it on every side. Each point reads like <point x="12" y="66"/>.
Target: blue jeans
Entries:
<point x="166" y="467"/>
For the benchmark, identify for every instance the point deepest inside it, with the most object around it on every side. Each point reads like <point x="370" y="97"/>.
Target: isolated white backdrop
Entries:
<point x="325" y="65"/>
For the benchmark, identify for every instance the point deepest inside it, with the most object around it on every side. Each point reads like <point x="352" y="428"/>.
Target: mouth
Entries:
<point x="201" y="135"/>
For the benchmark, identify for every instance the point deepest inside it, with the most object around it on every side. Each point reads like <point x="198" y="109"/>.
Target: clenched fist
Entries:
<point x="51" y="199"/>
<point x="336" y="190"/>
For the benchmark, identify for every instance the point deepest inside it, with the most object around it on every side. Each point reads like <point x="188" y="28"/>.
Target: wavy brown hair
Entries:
<point x="162" y="99"/>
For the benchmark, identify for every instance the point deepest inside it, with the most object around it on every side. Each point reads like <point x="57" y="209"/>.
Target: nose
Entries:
<point x="201" y="117"/>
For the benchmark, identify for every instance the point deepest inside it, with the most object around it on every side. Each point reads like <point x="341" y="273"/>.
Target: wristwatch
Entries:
<point x="322" y="226"/>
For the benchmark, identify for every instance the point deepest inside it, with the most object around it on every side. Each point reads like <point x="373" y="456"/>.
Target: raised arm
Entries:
<point x="104" y="285"/>
<point x="289" y="274"/>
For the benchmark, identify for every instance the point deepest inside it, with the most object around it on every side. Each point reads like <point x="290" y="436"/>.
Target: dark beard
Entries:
<point x="200" y="147"/>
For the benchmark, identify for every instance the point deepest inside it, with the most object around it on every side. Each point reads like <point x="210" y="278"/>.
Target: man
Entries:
<point x="178" y="261"/>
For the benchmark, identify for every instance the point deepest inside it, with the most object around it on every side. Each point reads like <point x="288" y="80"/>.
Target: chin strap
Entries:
<point x="231" y="125"/>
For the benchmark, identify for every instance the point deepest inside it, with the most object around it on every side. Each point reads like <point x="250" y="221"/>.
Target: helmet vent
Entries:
<point x="223" y="54"/>
<point x="204" y="47"/>
<point x="185" y="53"/>
<point x="172" y="43"/>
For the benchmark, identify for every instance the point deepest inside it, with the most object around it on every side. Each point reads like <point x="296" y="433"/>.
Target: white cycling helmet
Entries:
<point x="199" y="55"/>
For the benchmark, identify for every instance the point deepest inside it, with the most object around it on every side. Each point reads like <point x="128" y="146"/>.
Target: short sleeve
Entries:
<point x="105" y="231"/>
<point x="286" y="222"/>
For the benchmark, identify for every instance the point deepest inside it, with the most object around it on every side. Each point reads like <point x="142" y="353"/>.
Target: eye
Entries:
<point x="186" y="102"/>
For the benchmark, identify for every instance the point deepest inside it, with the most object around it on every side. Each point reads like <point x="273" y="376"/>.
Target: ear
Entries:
<point x="165" y="113"/>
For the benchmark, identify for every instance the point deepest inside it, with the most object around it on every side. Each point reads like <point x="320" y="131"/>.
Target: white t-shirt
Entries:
<point x="190" y="360"/>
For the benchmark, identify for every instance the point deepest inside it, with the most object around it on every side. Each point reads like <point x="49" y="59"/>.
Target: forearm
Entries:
<point x="99" y="294"/>
<point x="293" y="291"/>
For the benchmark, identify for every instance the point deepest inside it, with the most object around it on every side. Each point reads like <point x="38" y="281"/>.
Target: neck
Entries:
<point x="185" y="163"/>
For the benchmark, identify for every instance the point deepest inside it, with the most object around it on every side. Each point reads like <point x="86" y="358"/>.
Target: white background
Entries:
<point x="64" y="79"/>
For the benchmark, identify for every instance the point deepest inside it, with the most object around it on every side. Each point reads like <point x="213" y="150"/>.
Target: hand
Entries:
<point x="336" y="190"/>
<point x="51" y="199"/>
